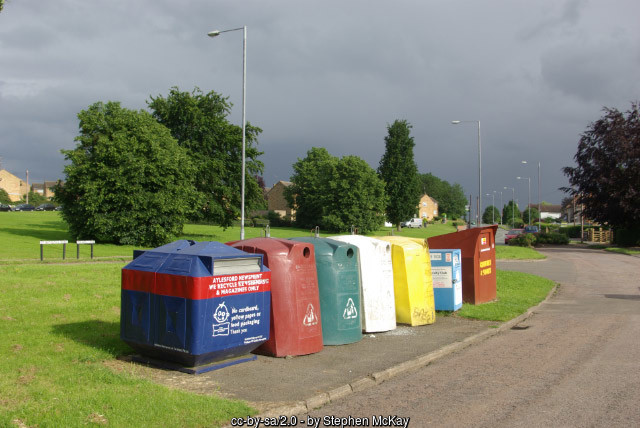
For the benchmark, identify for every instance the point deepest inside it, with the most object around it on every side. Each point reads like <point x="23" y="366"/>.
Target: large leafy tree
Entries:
<point x="491" y="215"/>
<point x="199" y="122"/>
<point x="535" y="214"/>
<point x="511" y="213"/>
<point x="4" y="197"/>
<point x="336" y="194"/>
<point x="451" y="199"/>
<point x="607" y="176"/>
<point x="128" y="181"/>
<point x="399" y="172"/>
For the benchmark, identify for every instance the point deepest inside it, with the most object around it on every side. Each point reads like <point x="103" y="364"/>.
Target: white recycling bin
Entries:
<point x="376" y="277"/>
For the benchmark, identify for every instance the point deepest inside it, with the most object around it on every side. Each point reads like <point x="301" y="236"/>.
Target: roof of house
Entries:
<point x="548" y="208"/>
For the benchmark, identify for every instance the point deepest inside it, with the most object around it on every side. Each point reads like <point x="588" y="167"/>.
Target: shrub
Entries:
<point x="276" y="220"/>
<point x="4" y="197"/>
<point x="551" y="238"/>
<point x="523" y="240"/>
<point x="627" y="237"/>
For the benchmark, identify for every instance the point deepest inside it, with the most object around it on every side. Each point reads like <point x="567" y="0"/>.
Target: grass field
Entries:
<point x="516" y="292"/>
<point x="60" y="327"/>
<point x="59" y="336"/>
<point x="510" y="252"/>
<point x="21" y="233"/>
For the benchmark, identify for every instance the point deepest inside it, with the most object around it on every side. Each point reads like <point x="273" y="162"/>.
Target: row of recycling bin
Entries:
<point x="194" y="303"/>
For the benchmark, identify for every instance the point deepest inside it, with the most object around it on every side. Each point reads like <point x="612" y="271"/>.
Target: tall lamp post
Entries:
<point x="529" y="204"/>
<point x="215" y="33"/>
<point x="513" y="207"/>
<point x="478" y="215"/>
<point x="493" y="207"/>
<point x="495" y="191"/>
<point x="539" y="200"/>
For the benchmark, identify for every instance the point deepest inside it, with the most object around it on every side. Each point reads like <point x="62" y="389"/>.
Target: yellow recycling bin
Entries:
<point x="412" y="281"/>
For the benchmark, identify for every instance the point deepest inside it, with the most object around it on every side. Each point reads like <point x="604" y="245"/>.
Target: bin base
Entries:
<point x="168" y="365"/>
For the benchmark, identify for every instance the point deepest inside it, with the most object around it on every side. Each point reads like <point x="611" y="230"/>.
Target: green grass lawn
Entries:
<point x="622" y="250"/>
<point x="59" y="336"/>
<point x="21" y="233"/>
<point x="516" y="292"/>
<point x="510" y="252"/>
<point x="60" y="331"/>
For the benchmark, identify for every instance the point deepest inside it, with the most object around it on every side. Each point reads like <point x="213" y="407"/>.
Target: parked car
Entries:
<point x="5" y="207"/>
<point x="24" y="207"/>
<point x="414" y="222"/>
<point x="513" y="233"/>
<point x="531" y="229"/>
<point x="45" y="207"/>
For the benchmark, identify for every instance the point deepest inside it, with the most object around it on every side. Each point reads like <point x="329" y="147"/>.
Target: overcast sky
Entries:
<point x="333" y="74"/>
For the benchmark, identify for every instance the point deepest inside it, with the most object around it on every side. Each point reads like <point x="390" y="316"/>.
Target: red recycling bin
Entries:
<point x="478" y="250"/>
<point x="296" y="327"/>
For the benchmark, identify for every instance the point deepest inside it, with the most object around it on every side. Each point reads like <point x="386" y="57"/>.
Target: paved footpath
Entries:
<point x="574" y="362"/>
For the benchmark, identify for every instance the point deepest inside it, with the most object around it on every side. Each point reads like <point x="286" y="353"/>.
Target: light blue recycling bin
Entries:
<point x="446" y="270"/>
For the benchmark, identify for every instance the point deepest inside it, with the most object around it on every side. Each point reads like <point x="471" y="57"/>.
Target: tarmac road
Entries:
<point x="574" y="362"/>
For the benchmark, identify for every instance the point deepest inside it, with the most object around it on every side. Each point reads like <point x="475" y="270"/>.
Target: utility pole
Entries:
<point x="27" y="186"/>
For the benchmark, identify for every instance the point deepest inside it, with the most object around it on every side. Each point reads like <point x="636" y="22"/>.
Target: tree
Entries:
<point x="336" y="194"/>
<point x="128" y="181"/>
<point x="509" y="212"/>
<point x="4" y="197"/>
<point x="491" y="215"/>
<point x="199" y="122"/>
<point x="35" y="198"/>
<point x="607" y="176"/>
<point x="535" y="214"/>
<point x="451" y="199"/>
<point x="400" y="173"/>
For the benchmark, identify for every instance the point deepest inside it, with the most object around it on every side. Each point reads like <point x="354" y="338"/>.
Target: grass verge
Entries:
<point x="59" y="336"/>
<point x="516" y="292"/>
<point x="21" y="233"/>
<point x="621" y="250"/>
<point x="510" y="252"/>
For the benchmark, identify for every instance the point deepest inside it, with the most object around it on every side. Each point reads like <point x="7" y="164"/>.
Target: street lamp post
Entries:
<point x="244" y="120"/>
<point x="513" y="208"/>
<point x="529" y="204"/>
<point x="539" y="200"/>
<point x="493" y="206"/>
<point x="478" y="215"/>
<point x="495" y="191"/>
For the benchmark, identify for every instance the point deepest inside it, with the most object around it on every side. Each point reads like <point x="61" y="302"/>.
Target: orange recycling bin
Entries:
<point x="478" y="250"/>
<point x="296" y="326"/>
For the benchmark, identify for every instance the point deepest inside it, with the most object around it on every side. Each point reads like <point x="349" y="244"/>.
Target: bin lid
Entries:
<point x="197" y="259"/>
<point x="327" y="247"/>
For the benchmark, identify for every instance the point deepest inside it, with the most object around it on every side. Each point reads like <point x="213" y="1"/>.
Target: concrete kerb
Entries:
<point x="319" y="400"/>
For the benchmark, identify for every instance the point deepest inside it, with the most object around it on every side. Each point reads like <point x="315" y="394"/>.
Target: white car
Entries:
<point x="414" y="222"/>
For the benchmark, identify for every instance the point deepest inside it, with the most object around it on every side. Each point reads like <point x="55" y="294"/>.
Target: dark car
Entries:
<point x="45" y="207"/>
<point x="5" y="207"/>
<point x="513" y="233"/>
<point x="531" y="229"/>
<point x="25" y="207"/>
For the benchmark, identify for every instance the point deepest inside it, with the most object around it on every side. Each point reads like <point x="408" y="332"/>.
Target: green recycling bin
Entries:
<point x="339" y="287"/>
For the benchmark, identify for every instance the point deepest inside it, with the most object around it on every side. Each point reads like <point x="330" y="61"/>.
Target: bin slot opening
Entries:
<point x="235" y="266"/>
<point x="179" y="265"/>
<point x="147" y="260"/>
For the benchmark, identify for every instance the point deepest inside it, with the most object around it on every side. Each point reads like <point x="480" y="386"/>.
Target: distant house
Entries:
<point x="45" y="189"/>
<point x="276" y="200"/>
<point x="14" y="186"/>
<point x="549" y="211"/>
<point x="428" y="207"/>
<point x="572" y="211"/>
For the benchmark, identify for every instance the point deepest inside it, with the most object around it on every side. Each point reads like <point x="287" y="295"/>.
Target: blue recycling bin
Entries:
<point x="446" y="270"/>
<point x="195" y="303"/>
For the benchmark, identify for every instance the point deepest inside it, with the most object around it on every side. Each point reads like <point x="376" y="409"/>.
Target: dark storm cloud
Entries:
<point x="331" y="74"/>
